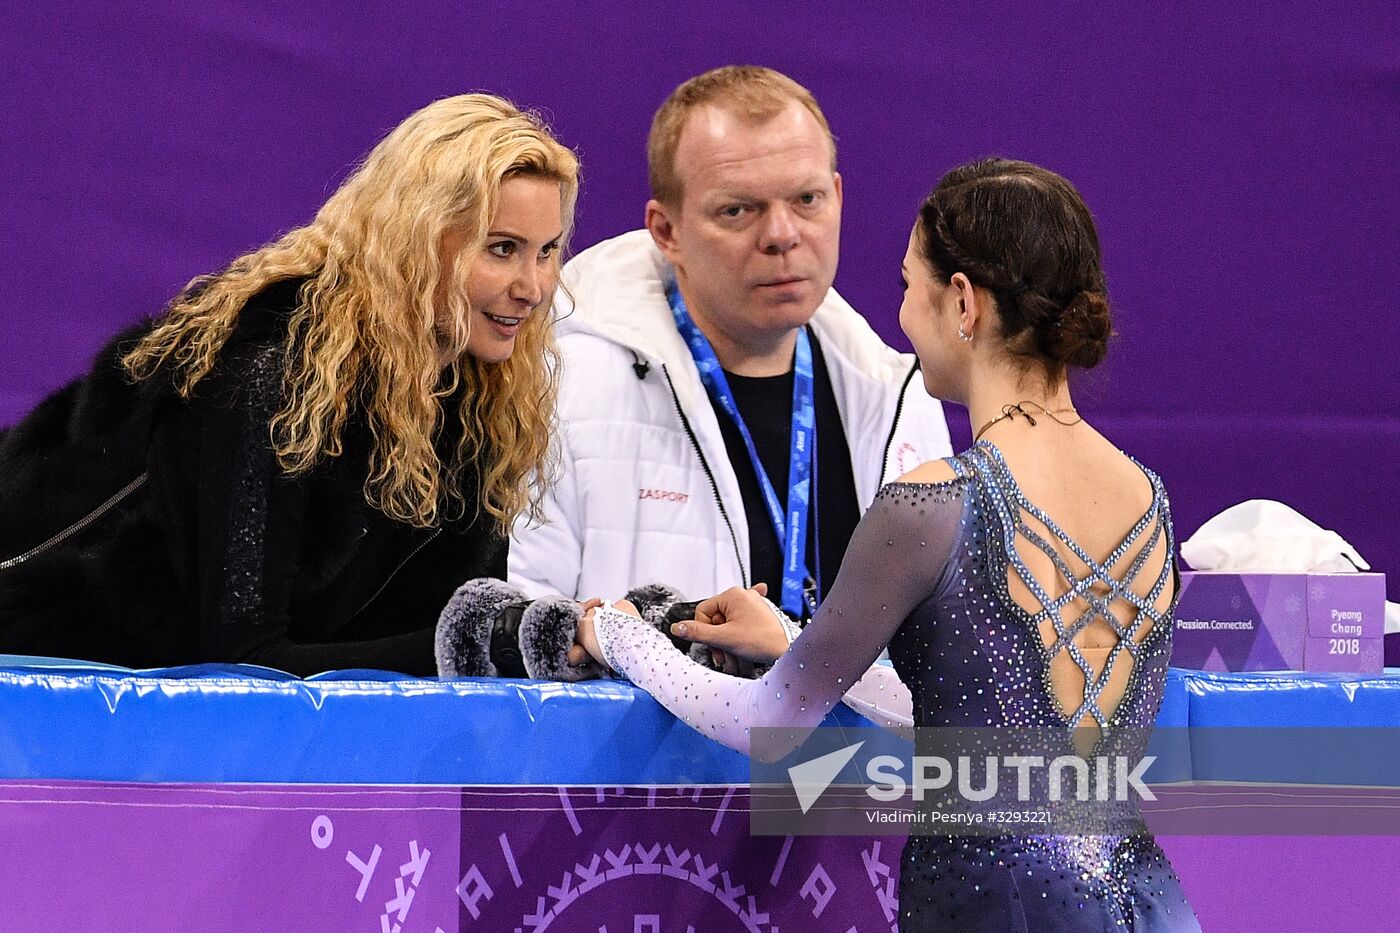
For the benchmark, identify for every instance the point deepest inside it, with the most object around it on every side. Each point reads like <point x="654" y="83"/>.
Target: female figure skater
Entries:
<point x="1027" y="582"/>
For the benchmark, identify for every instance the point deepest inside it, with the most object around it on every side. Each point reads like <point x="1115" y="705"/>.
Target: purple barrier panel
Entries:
<point x="1288" y="884"/>
<point x="162" y="857"/>
<point x="166" y="857"/>
<point x="172" y="857"/>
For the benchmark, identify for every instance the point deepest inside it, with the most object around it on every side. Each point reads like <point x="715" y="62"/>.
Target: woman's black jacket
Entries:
<point x="143" y="529"/>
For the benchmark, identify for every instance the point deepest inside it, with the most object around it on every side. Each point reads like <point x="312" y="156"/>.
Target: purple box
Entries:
<point x="1227" y="621"/>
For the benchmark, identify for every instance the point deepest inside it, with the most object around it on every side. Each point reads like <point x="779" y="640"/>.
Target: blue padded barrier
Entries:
<point x="1176" y="700"/>
<point x="1290" y="698"/>
<point x="1170" y="744"/>
<point x="1295" y="728"/>
<point x="236" y="723"/>
<point x="232" y="723"/>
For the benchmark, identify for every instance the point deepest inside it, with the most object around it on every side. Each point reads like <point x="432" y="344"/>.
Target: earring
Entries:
<point x="962" y="336"/>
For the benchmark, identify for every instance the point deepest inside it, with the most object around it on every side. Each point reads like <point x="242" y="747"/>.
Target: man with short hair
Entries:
<point x="725" y="416"/>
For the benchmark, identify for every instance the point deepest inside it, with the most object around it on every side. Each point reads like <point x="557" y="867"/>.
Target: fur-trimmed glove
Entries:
<point x="661" y="607"/>
<point x="462" y="644"/>
<point x="489" y="629"/>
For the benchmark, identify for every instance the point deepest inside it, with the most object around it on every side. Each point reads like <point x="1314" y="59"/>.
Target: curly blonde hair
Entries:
<point x="364" y="330"/>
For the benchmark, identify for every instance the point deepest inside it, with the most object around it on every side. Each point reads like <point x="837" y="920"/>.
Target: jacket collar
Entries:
<point x="617" y="290"/>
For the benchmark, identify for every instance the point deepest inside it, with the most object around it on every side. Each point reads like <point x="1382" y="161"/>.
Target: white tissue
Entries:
<point x="1261" y="535"/>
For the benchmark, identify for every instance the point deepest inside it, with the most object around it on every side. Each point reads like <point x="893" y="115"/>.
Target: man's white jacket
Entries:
<point x="645" y="491"/>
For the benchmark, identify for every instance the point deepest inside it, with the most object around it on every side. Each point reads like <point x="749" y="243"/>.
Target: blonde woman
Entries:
<point x="301" y="458"/>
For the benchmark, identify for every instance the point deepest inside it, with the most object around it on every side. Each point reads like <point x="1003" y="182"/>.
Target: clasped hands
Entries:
<point x="738" y="626"/>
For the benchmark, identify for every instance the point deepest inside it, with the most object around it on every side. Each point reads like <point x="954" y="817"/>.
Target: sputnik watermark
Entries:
<point x="1111" y="778"/>
<point x="1020" y="780"/>
<point x="945" y="778"/>
<point x="811" y="778"/>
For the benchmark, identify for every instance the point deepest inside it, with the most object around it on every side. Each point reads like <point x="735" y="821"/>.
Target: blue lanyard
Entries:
<point x="789" y="525"/>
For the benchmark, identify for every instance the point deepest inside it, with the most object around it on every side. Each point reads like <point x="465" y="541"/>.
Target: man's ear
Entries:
<point x="660" y="222"/>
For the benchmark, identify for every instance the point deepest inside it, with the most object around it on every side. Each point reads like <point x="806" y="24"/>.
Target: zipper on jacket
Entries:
<point x="395" y="572"/>
<point x="714" y="486"/>
<point x="894" y="426"/>
<point x="77" y="526"/>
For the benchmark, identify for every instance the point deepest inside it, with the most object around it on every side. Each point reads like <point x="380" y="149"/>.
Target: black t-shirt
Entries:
<point x="765" y="402"/>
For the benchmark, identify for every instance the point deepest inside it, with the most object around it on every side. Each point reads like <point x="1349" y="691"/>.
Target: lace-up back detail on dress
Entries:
<point x="1091" y="617"/>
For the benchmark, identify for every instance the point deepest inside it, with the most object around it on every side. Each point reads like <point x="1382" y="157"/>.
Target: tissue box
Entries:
<point x="1227" y="621"/>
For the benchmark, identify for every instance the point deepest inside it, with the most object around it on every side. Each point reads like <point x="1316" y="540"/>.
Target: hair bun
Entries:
<point x="1025" y="235"/>
<point x="1081" y="331"/>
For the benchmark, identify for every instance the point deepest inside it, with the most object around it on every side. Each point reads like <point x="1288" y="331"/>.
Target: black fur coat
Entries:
<point x="143" y="529"/>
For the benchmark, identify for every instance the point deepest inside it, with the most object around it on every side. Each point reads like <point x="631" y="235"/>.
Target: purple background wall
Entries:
<point x="1240" y="160"/>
